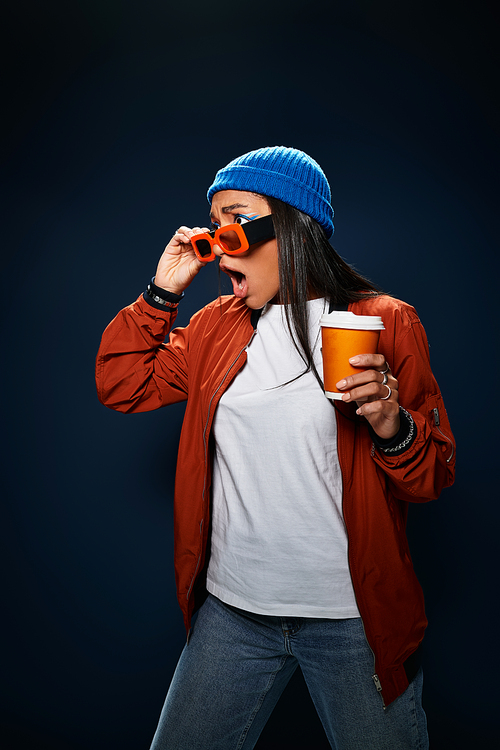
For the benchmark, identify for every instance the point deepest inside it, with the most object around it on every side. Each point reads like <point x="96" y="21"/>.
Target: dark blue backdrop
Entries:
<point x="119" y="114"/>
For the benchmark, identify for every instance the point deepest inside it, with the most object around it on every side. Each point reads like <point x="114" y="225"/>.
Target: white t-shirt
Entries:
<point x="279" y="544"/>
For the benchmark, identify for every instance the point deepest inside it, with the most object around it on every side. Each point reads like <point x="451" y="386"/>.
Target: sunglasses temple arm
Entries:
<point x="259" y="229"/>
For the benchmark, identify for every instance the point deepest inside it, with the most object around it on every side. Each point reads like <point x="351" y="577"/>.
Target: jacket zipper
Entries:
<point x="379" y="687"/>
<point x="206" y="448"/>
<point x="375" y="676"/>
<point x="437" y="422"/>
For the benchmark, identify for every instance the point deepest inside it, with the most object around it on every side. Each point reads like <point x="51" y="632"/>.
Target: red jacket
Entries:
<point x="137" y="372"/>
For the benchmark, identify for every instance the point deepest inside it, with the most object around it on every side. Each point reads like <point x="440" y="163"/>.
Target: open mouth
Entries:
<point x="240" y="286"/>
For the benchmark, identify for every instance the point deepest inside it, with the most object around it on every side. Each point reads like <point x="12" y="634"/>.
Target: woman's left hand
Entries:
<point x="375" y="390"/>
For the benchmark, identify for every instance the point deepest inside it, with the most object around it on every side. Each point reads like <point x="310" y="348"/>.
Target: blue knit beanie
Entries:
<point x="284" y="173"/>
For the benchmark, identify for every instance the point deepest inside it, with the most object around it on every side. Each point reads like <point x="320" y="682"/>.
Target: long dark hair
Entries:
<point x="310" y="267"/>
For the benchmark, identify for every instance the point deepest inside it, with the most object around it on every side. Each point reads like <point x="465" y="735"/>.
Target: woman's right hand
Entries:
<point x="179" y="265"/>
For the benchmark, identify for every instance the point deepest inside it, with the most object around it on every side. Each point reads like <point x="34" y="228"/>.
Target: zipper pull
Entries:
<point x="379" y="687"/>
<point x="436" y="416"/>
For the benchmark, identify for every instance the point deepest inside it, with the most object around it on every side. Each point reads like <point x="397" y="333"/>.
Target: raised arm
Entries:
<point x="135" y="370"/>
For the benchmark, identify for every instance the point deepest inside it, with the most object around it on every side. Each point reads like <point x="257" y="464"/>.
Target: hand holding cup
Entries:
<point x="375" y="391"/>
<point x="354" y="371"/>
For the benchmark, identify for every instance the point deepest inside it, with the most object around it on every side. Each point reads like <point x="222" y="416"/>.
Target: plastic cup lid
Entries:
<point x="345" y="319"/>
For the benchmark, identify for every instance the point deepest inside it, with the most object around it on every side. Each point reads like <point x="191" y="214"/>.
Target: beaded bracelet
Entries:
<point x="408" y="439"/>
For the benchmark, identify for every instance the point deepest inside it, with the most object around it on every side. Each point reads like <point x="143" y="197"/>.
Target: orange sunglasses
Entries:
<point x="233" y="238"/>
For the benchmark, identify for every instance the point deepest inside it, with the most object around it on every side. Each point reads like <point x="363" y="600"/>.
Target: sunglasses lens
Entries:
<point x="230" y="241"/>
<point x="203" y="247"/>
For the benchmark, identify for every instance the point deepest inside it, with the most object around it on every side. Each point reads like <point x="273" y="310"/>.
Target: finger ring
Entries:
<point x="387" y="368"/>
<point x="388" y="395"/>
<point x="384" y="381"/>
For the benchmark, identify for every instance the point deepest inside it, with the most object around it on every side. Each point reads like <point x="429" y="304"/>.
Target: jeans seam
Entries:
<point x="417" y="736"/>
<point x="258" y="706"/>
<point x="421" y="738"/>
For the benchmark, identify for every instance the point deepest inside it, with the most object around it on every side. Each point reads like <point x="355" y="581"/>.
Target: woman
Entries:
<point x="289" y="514"/>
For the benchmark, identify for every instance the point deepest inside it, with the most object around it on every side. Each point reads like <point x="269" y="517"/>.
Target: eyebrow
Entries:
<point x="230" y="209"/>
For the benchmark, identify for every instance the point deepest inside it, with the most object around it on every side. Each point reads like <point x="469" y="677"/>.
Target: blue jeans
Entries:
<point x="237" y="664"/>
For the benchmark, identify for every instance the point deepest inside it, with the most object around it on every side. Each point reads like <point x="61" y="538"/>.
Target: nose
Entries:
<point x="218" y="250"/>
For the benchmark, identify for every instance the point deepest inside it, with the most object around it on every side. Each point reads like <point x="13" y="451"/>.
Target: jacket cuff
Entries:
<point x="160" y="298"/>
<point x="402" y="440"/>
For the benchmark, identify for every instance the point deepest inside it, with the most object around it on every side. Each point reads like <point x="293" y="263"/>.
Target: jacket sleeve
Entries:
<point x="135" y="370"/>
<point x="428" y="465"/>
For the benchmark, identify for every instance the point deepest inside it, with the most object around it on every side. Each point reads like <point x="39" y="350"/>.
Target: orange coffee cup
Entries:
<point x="344" y="335"/>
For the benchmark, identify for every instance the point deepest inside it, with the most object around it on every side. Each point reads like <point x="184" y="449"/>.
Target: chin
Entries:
<point x="258" y="304"/>
<point x="253" y="305"/>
